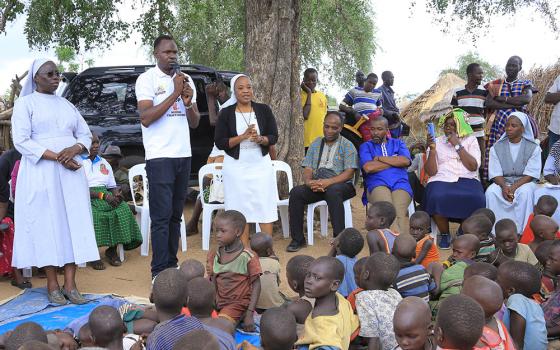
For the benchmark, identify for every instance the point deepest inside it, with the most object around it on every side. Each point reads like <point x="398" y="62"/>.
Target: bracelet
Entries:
<point x="189" y="106"/>
<point x="101" y="195"/>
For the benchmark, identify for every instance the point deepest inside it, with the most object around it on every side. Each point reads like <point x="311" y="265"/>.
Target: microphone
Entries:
<point x="176" y="67"/>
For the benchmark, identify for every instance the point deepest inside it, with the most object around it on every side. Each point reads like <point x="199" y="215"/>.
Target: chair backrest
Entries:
<point x="207" y="170"/>
<point x="281" y="166"/>
<point x="138" y="170"/>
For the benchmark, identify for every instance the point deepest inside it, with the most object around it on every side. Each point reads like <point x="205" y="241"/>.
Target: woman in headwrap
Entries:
<point x="454" y="190"/>
<point x="551" y="174"/>
<point x="53" y="222"/>
<point x="245" y="131"/>
<point x="514" y="166"/>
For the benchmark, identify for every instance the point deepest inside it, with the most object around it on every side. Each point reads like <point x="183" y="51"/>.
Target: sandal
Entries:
<point x="113" y="257"/>
<point x="74" y="296"/>
<point x="56" y="297"/>
<point x="22" y="285"/>
<point x="97" y="265"/>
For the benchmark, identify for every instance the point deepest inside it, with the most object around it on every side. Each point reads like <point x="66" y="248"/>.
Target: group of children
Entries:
<point x="493" y="292"/>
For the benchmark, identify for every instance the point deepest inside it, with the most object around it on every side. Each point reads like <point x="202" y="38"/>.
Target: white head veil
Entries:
<point x="29" y="86"/>
<point x="527" y="127"/>
<point x="232" y="100"/>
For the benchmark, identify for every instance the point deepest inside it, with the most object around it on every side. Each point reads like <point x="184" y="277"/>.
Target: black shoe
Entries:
<point x="294" y="246"/>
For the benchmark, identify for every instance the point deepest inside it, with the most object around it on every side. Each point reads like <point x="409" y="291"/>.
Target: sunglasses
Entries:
<point x="51" y="73"/>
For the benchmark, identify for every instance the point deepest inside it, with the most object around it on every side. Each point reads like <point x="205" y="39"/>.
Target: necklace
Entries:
<point x="247" y="121"/>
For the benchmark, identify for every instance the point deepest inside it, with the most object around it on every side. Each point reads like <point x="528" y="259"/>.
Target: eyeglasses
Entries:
<point x="51" y="73"/>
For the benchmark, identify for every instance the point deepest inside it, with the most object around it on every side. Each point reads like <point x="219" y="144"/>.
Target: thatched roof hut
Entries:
<point x="542" y="79"/>
<point x="432" y="103"/>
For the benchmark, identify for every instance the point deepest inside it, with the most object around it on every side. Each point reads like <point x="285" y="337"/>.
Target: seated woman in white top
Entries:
<point x="514" y="165"/>
<point x="551" y="174"/>
<point x="113" y="221"/>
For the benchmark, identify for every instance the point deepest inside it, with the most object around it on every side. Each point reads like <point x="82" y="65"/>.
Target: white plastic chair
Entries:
<point x="212" y="169"/>
<point x="324" y="217"/>
<point x="280" y="166"/>
<point x="144" y="210"/>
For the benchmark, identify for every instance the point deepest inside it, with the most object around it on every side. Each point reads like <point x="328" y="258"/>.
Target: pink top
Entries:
<point x="449" y="165"/>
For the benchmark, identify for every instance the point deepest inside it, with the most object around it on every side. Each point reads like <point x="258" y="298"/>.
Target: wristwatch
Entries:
<point x="458" y="147"/>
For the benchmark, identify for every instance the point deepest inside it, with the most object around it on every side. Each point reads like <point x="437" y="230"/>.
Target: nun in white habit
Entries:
<point x="514" y="166"/>
<point x="53" y="221"/>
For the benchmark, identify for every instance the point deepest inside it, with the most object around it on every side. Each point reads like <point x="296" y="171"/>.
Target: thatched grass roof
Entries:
<point x="542" y="79"/>
<point x="432" y="103"/>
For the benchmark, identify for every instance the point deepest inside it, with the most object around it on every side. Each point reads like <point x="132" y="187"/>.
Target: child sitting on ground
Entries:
<point x="412" y="325"/>
<point x="234" y="270"/>
<point x="107" y="328"/>
<point x="426" y="250"/>
<point x="525" y="318"/>
<point x="25" y="332"/>
<point x="481" y="227"/>
<point x="488" y="295"/>
<point x="459" y="323"/>
<point x="486" y="212"/>
<point x="296" y="269"/>
<point x="551" y="269"/>
<point x="358" y="269"/>
<point x="270" y="295"/>
<point x="412" y="279"/>
<point x="345" y="247"/>
<point x="546" y="205"/>
<point x="170" y="293"/>
<point x="191" y="269"/>
<point x="380" y="217"/>
<point x="449" y="275"/>
<point x="377" y="303"/>
<point x="551" y="307"/>
<point x="199" y="339"/>
<point x="200" y="301"/>
<point x="507" y="247"/>
<point x="331" y="323"/>
<point x="278" y="329"/>
<point x="481" y="269"/>
<point x="544" y="229"/>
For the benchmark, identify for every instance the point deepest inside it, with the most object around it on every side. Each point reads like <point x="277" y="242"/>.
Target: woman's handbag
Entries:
<point x="216" y="193"/>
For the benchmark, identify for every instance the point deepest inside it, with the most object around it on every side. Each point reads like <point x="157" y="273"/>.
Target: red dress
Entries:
<point x="6" y="247"/>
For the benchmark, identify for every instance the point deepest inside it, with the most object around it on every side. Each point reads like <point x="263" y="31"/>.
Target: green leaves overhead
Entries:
<point x="491" y="72"/>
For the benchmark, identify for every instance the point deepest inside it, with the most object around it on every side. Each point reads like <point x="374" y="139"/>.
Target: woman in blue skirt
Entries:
<point x="454" y="190"/>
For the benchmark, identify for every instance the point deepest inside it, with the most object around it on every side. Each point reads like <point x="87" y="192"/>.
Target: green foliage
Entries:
<point x="157" y="20"/>
<point x="211" y="32"/>
<point x="491" y="72"/>
<point x="337" y="37"/>
<point x="74" y="23"/>
<point x="9" y="10"/>
<point x="478" y="14"/>
<point x="65" y="54"/>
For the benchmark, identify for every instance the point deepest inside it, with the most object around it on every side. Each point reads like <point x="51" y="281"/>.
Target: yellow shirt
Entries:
<point x="333" y="330"/>
<point x="313" y="126"/>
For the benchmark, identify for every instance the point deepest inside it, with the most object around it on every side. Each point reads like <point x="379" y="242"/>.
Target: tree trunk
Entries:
<point x="272" y="62"/>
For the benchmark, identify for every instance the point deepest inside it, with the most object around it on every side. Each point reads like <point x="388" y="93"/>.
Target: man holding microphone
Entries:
<point x="167" y="106"/>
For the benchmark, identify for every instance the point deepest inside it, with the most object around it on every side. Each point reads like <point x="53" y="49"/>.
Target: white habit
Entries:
<point x="53" y="221"/>
<point x="250" y="181"/>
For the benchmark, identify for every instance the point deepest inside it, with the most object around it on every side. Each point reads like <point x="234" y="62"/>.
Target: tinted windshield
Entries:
<point x="104" y="95"/>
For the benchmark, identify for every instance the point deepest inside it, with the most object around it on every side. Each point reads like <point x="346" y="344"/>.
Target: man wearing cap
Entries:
<point x="167" y="106"/>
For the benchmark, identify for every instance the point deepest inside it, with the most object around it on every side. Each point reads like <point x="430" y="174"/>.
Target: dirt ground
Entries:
<point x="133" y="277"/>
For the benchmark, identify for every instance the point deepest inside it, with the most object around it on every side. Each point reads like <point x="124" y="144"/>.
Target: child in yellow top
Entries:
<point x="332" y="321"/>
<point x="314" y="105"/>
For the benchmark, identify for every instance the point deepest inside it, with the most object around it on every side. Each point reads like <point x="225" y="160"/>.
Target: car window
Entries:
<point x="104" y="96"/>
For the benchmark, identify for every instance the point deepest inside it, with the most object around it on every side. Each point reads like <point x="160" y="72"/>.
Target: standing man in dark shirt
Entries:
<point x="390" y="109"/>
<point x="8" y="161"/>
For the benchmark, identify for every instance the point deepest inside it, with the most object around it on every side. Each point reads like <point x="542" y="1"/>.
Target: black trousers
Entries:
<point x="168" y="180"/>
<point x="301" y="196"/>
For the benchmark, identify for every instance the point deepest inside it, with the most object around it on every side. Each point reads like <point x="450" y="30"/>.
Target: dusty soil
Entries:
<point x="133" y="277"/>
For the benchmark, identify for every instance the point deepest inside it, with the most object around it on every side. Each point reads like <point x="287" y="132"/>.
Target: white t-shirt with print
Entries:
<point x="99" y="172"/>
<point x="555" y="118"/>
<point x="167" y="137"/>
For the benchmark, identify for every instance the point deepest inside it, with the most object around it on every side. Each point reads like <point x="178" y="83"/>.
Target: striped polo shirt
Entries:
<point x="414" y="280"/>
<point x="472" y="102"/>
<point x="363" y="102"/>
<point x="168" y="332"/>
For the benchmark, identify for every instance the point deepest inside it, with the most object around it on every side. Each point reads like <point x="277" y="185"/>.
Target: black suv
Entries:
<point x="106" y="99"/>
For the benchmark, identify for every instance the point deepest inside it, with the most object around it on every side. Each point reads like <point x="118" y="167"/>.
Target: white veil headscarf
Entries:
<point x="527" y="127"/>
<point x="29" y="86"/>
<point x="232" y="99"/>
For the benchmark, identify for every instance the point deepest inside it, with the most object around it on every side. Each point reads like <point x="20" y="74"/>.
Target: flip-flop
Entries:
<point x="22" y="285"/>
<point x="56" y="297"/>
<point x="97" y="265"/>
